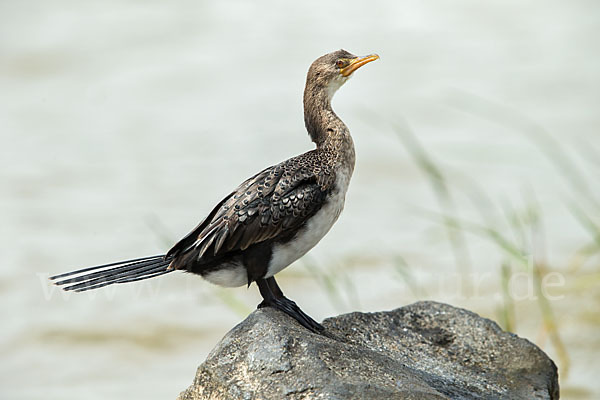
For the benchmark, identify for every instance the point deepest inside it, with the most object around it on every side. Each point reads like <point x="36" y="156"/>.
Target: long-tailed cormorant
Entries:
<point x="271" y="219"/>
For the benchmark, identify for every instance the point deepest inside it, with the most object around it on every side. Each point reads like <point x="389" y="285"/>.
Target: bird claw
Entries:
<point x="290" y="308"/>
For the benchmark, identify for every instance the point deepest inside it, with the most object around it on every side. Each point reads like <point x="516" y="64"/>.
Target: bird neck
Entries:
<point x="325" y="128"/>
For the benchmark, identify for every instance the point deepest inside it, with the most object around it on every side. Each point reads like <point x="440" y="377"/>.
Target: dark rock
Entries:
<point x="425" y="350"/>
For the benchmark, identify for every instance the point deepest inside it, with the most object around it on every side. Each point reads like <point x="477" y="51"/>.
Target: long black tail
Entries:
<point x="119" y="272"/>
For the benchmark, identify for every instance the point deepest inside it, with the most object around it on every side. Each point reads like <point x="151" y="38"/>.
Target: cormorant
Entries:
<point x="271" y="219"/>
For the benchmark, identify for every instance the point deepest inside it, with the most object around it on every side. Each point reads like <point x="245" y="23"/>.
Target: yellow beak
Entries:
<point x="357" y="63"/>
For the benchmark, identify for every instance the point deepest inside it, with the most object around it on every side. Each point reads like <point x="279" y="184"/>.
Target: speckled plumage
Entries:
<point x="268" y="208"/>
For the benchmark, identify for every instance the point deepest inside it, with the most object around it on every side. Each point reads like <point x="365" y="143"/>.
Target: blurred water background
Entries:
<point x="124" y="122"/>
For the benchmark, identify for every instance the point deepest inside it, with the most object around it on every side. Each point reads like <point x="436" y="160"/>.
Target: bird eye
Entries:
<point x="340" y="63"/>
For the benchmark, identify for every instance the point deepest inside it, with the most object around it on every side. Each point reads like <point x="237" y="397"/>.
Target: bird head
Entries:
<point x="332" y="70"/>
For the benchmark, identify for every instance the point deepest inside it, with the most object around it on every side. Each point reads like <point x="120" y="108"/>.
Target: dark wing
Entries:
<point x="269" y="205"/>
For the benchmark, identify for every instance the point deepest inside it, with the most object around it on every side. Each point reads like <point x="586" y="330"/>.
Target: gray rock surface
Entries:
<point x="425" y="350"/>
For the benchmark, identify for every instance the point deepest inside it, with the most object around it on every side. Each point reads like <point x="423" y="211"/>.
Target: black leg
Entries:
<point x="273" y="297"/>
<point x="274" y="287"/>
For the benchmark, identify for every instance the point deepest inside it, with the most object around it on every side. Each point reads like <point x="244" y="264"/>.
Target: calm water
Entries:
<point x="122" y="123"/>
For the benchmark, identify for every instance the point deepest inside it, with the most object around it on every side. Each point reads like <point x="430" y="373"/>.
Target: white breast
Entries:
<point x="315" y="229"/>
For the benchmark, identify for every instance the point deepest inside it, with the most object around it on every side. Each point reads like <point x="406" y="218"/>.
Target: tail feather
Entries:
<point x="98" y="267"/>
<point x="152" y="275"/>
<point x="101" y="272"/>
<point x="121" y="272"/>
<point x="89" y="286"/>
<point x="118" y="277"/>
